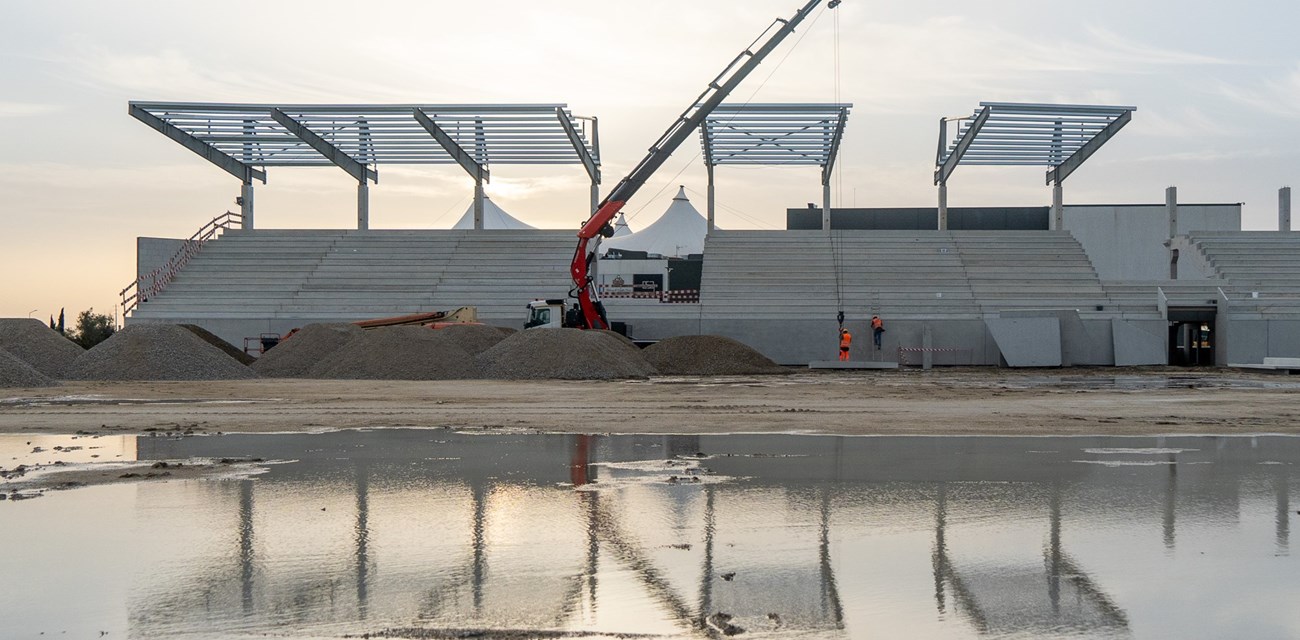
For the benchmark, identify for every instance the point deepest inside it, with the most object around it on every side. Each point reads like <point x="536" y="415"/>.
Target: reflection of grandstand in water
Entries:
<point x="451" y="531"/>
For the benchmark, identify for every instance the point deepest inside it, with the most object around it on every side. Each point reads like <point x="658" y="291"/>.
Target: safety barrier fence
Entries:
<point x="942" y="356"/>
<point x="150" y="284"/>
<point x="675" y="296"/>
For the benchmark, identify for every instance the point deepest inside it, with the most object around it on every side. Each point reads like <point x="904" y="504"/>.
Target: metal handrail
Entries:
<point x="152" y="283"/>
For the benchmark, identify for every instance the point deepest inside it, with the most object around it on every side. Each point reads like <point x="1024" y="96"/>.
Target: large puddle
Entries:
<point x="429" y="533"/>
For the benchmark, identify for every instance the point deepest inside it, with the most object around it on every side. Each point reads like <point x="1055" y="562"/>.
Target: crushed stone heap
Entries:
<point x="156" y="352"/>
<point x="397" y="353"/>
<point x="474" y="338"/>
<point x="563" y="354"/>
<point x="17" y="373"/>
<point x="41" y="347"/>
<point x="708" y="356"/>
<point x="295" y="356"/>
<point x="216" y="341"/>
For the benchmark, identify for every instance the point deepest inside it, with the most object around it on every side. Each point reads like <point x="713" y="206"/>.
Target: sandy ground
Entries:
<point x="961" y="401"/>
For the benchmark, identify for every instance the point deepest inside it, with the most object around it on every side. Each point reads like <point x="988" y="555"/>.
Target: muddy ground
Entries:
<point x="960" y="401"/>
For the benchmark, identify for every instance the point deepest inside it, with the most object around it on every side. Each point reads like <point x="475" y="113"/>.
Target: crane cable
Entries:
<point x="837" y="258"/>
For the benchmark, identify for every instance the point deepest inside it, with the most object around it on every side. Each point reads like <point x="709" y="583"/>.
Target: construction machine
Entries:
<point x="588" y="312"/>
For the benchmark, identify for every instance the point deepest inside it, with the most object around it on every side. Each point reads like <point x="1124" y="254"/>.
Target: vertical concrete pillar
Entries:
<point x="1284" y="209"/>
<point x="927" y="344"/>
<point x="711" y="202"/>
<point x="478" y="204"/>
<point x="826" y="206"/>
<point x="246" y="204"/>
<point x="1058" y="207"/>
<point x="943" y="206"/>
<point x="363" y="205"/>
<point x="1171" y="208"/>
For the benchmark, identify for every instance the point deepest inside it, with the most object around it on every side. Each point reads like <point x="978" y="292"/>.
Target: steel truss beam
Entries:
<point x="1061" y="137"/>
<point x="467" y="162"/>
<point x="322" y="146"/>
<point x="210" y="153"/>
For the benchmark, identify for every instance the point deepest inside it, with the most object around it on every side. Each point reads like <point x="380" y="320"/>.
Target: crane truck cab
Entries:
<point x="546" y="314"/>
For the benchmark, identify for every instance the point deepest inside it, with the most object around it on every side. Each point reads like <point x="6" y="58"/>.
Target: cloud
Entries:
<point x="25" y="109"/>
<point x="955" y="56"/>
<point x="171" y="73"/>
<point x="1276" y="96"/>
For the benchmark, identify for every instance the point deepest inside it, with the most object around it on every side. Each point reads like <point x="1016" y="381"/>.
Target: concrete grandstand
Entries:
<point x="1070" y="285"/>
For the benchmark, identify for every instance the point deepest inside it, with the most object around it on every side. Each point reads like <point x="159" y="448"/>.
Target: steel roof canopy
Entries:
<point x="774" y="134"/>
<point x="1060" y="136"/>
<point x="240" y="137"/>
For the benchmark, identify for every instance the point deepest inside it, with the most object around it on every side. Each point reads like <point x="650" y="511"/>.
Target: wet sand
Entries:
<point x="941" y="402"/>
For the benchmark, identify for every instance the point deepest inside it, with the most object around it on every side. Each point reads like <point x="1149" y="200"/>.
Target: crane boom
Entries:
<point x="592" y="312"/>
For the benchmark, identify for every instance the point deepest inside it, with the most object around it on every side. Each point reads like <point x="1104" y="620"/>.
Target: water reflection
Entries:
<point x="791" y="536"/>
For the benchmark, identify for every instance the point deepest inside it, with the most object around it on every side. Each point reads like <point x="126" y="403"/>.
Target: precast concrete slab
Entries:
<point x="1028" y="342"/>
<point x="1135" y="346"/>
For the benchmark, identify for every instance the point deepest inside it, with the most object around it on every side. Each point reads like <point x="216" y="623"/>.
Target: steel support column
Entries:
<point x="478" y="205"/>
<point x="363" y="205"/>
<point x="1284" y="209"/>
<point x="943" y="206"/>
<point x="1058" y="207"/>
<point x="467" y="161"/>
<point x="246" y="204"/>
<point x="341" y="159"/>
<point x="711" y="203"/>
<point x="826" y="206"/>
<point x="1171" y="208"/>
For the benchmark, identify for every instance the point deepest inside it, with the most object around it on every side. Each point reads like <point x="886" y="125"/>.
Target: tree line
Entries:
<point x="92" y="328"/>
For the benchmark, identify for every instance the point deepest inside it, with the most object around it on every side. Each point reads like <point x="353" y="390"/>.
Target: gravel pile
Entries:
<point x="473" y="338"/>
<point x="295" y="356"/>
<point x="212" y="339"/>
<point x="397" y="353"/>
<point x="17" y="373"/>
<point x="156" y="352"/>
<point x="41" y="347"/>
<point x="564" y="354"/>
<point x="708" y="356"/>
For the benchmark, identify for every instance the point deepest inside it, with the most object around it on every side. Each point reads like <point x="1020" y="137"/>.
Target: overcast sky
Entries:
<point x="1217" y="86"/>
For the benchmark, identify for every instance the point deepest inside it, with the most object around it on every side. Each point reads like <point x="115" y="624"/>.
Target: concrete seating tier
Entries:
<point x="746" y="274"/>
<point x="1252" y="260"/>
<point x="345" y="275"/>
<point x="900" y="274"/>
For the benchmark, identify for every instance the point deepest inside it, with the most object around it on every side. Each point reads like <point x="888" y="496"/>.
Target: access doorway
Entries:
<point x="1191" y="336"/>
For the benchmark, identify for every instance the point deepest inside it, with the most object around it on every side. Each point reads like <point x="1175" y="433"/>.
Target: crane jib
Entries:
<point x="592" y="312"/>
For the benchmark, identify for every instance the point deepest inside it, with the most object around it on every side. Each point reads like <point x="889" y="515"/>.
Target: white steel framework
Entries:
<point x="245" y="139"/>
<point x="1058" y="136"/>
<point x="799" y="134"/>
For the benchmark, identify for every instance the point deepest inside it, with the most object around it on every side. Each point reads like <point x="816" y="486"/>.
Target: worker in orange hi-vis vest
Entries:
<point x="846" y="339"/>
<point x="877" y="328"/>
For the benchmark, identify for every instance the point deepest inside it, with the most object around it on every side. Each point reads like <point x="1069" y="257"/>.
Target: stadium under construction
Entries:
<point x="1060" y="285"/>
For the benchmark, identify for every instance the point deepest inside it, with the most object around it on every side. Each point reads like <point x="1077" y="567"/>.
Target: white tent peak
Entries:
<point x="679" y="232"/>
<point x="621" y="228"/>
<point x="494" y="217"/>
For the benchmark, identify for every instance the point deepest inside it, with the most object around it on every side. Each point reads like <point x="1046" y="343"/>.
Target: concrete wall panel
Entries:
<point x="1137" y="345"/>
<point x="1126" y="242"/>
<point x="151" y="253"/>
<point x="1283" y="339"/>
<point x="1028" y="342"/>
<point x="1247" y="341"/>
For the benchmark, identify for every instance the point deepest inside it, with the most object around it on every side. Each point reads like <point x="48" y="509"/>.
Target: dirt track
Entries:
<point x="969" y="401"/>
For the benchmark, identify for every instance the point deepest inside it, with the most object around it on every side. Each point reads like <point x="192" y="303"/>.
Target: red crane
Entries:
<point x="591" y="313"/>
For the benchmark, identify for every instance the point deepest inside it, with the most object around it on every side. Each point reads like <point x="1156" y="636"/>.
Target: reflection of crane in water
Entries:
<point x="1097" y="609"/>
<point x="606" y="530"/>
